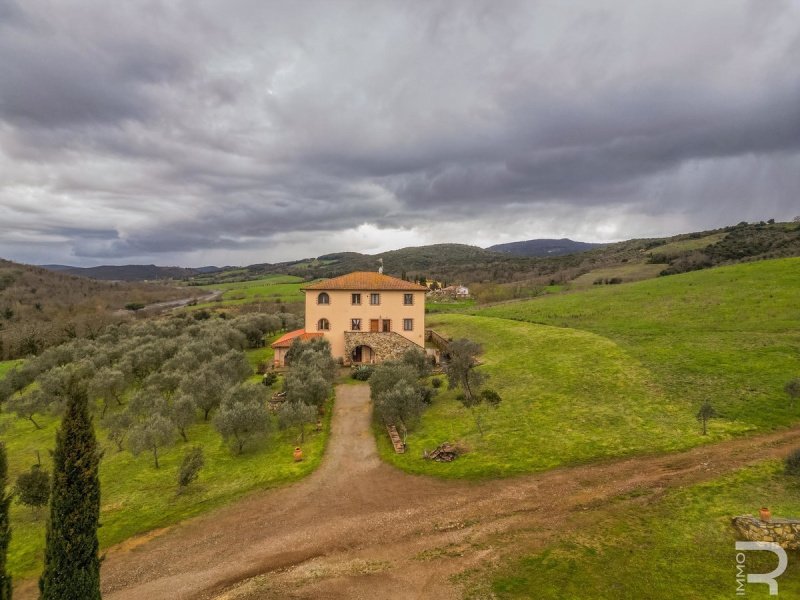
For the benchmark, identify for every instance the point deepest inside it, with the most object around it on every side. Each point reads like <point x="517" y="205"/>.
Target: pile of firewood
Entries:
<point x="278" y="398"/>
<point x="445" y="452"/>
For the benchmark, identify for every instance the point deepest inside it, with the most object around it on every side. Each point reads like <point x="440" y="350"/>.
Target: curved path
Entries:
<point x="358" y="528"/>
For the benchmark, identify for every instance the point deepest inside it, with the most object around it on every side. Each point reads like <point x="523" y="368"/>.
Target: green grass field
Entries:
<point x="729" y="335"/>
<point x="272" y="288"/>
<point x="675" y="248"/>
<point x="7" y="365"/>
<point x="449" y="306"/>
<point x="627" y="272"/>
<point x="255" y="283"/>
<point x="620" y="370"/>
<point x="681" y="546"/>
<point x="568" y="396"/>
<point x="137" y="497"/>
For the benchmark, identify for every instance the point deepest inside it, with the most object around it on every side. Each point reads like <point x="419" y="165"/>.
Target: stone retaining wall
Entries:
<point x="386" y="345"/>
<point x="784" y="532"/>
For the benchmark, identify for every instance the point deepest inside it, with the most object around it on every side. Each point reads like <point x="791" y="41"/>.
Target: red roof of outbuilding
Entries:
<point x="286" y="340"/>
<point x="366" y="280"/>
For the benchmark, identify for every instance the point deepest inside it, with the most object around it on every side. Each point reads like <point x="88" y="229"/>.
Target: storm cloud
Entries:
<point x="249" y="131"/>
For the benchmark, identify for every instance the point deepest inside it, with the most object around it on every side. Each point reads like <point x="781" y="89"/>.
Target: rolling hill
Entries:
<point x="130" y="272"/>
<point x="544" y="247"/>
<point x="40" y="307"/>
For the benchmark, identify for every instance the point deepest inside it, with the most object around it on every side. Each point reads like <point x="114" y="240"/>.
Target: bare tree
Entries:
<point x="705" y="413"/>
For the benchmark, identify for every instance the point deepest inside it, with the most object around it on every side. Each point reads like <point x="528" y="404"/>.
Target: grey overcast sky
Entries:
<point x="242" y="131"/>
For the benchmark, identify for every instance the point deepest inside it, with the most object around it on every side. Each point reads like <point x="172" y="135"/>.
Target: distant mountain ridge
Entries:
<point x="540" y="261"/>
<point x="131" y="272"/>
<point x="544" y="247"/>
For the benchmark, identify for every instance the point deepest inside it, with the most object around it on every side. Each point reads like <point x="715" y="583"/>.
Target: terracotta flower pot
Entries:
<point x="298" y="454"/>
<point x="765" y="514"/>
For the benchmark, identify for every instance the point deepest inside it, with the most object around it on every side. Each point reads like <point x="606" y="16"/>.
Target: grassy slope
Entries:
<point x="678" y="547"/>
<point x="675" y="248"/>
<point x="272" y="288"/>
<point x="622" y="370"/>
<point x="7" y="365"/>
<point x="136" y="497"/>
<point x="730" y="335"/>
<point x="568" y="396"/>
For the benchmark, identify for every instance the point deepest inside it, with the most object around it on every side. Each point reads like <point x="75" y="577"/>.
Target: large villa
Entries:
<point x="367" y="317"/>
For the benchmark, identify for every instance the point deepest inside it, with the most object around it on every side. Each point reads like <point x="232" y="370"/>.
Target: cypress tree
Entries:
<point x="5" y="529"/>
<point x="71" y="563"/>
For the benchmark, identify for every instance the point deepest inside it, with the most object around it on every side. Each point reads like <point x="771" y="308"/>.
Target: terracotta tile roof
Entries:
<point x="286" y="340"/>
<point x="366" y="280"/>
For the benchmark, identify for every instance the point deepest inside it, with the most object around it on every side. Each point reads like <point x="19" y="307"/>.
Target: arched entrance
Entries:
<point x="363" y="354"/>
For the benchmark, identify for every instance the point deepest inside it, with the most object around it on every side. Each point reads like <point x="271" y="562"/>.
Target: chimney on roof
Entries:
<point x="380" y="269"/>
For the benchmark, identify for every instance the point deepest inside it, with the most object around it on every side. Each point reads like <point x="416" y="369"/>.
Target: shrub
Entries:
<point x="793" y="463"/>
<point x="269" y="378"/>
<point x="192" y="462"/>
<point x="362" y="372"/>
<point x="436" y="382"/>
<point x="426" y="394"/>
<point x="490" y="397"/>
<point x="33" y="487"/>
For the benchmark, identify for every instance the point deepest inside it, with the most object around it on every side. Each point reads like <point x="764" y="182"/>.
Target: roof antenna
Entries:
<point x="380" y="269"/>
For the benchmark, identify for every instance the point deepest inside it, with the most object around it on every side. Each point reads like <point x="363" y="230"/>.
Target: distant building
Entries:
<point x="367" y="317"/>
<point x="452" y="291"/>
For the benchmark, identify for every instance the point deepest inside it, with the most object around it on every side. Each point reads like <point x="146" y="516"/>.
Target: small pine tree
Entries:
<point x="71" y="563"/>
<point x="5" y="528"/>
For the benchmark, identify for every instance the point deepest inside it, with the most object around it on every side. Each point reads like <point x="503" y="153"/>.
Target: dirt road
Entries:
<point x="358" y="528"/>
<point x="172" y="304"/>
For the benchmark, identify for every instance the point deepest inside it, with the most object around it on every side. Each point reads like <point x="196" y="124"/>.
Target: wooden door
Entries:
<point x="374" y="325"/>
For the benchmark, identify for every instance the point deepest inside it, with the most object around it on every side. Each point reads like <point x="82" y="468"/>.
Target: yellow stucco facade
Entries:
<point x="373" y="304"/>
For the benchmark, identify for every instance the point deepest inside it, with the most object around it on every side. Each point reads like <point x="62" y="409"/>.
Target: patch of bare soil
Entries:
<point x="358" y="528"/>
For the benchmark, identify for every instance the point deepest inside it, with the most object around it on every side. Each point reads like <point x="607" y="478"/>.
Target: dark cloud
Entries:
<point x="250" y="131"/>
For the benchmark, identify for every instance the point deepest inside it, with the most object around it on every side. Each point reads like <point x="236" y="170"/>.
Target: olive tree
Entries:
<point x="183" y="414"/>
<point x="107" y="384"/>
<point x="306" y="385"/>
<point x="461" y="367"/>
<point x="402" y="406"/>
<point x="28" y="405"/>
<point x="296" y="414"/>
<point x="475" y="404"/>
<point x="242" y="416"/>
<point x="151" y="435"/>
<point x="206" y="388"/>
<point x="118" y="425"/>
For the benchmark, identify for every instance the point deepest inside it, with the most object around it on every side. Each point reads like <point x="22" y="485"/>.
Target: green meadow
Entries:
<point x="675" y="248"/>
<point x="729" y="335"/>
<point x="7" y="365"/>
<point x="568" y="397"/>
<point x="272" y="288"/>
<point x="678" y="546"/>
<point x="621" y="370"/>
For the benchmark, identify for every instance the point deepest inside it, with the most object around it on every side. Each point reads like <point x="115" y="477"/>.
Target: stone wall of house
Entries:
<point x="386" y="345"/>
<point x="784" y="532"/>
